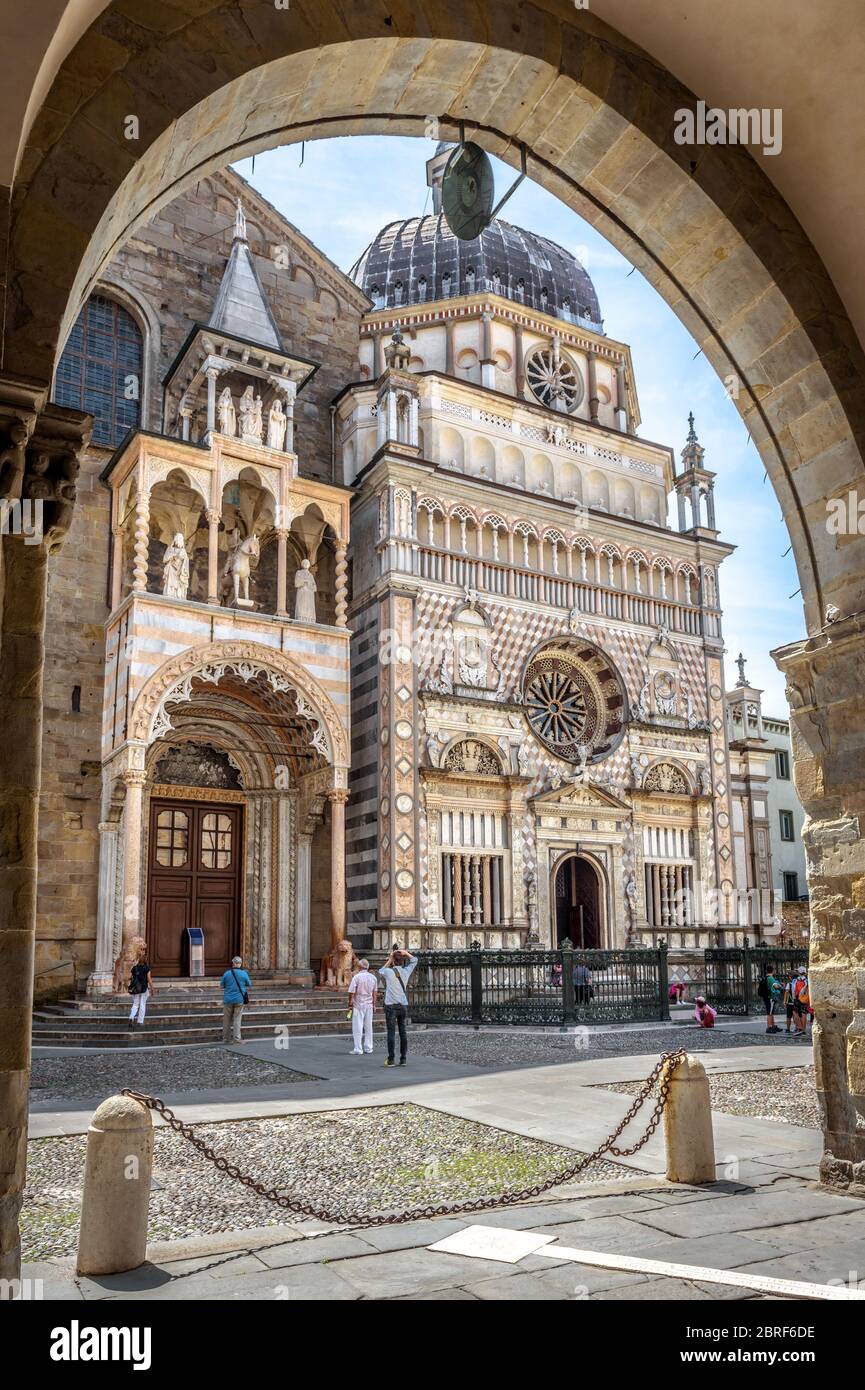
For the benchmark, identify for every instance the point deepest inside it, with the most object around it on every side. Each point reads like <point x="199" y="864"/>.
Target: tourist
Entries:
<point x="236" y="985"/>
<point x="396" y="973"/>
<point x="140" y="987"/>
<point x="704" y="1013"/>
<point x="788" y="1002"/>
<point x="583" y="991"/>
<point x="771" y="991"/>
<point x="801" y="1001"/>
<point x="363" y="990"/>
<point x="677" y="991"/>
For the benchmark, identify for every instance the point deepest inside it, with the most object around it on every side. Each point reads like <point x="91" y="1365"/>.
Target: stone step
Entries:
<point x="192" y="1008"/>
<point x="203" y="1018"/>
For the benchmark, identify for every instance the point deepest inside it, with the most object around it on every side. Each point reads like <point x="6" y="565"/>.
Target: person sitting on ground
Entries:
<point x="677" y="991"/>
<point x="704" y="1013"/>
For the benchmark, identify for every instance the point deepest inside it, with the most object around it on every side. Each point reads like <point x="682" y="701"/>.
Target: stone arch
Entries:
<point x="188" y="664"/>
<point x="668" y="776"/>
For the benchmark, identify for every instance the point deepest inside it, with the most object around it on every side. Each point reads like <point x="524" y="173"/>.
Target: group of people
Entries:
<point x="793" y="994"/>
<point x="392" y="980"/>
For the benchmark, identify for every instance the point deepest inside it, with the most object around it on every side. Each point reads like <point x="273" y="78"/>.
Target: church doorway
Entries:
<point x="193" y="880"/>
<point x="578" y="903"/>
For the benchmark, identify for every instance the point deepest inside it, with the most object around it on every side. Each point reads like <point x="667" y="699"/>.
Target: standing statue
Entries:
<point x="175" y="569"/>
<point x="227" y="413"/>
<point x="305" y="589"/>
<point x="277" y="422"/>
<point x="250" y="416"/>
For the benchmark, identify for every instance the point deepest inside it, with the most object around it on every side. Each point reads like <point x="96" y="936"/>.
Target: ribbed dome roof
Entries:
<point x="420" y="259"/>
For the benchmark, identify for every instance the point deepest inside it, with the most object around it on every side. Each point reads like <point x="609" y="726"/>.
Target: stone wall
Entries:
<point x="71" y="780"/>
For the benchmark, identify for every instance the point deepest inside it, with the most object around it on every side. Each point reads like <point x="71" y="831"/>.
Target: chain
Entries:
<point x="271" y="1194"/>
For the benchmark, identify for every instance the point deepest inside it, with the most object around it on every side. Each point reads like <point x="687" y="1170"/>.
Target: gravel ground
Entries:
<point x="786" y="1095"/>
<point x="385" y="1158"/>
<point x="170" y="1069"/>
<point x="532" y="1050"/>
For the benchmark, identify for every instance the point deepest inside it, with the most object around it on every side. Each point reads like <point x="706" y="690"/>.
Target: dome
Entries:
<point x="420" y="259"/>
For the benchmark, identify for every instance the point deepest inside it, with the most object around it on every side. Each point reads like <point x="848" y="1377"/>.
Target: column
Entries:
<point x="518" y="360"/>
<point x="476" y="889"/>
<point x="185" y="419"/>
<point x="487" y="895"/>
<point x="282" y="573"/>
<point x="594" y="399"/>
<point x="341" y="585"/>
<point x="621" y="397"/>
<point x="447" y="888"/>
<point x="337" y="798"/>
<point x="657" y="908"/>
<point x="142" y="540"/>
<point x="695" y="503"/>
<point x="101" y="977"/>
<point x="683" y="520"/>
<point x="449" y="347"/>
<point x="488" y="365"/>
<point x="304" y="887"/>
<point x="286" y="897"/>
<point x="116" y="567"/>
<point x="710" y="506"/>
<point x="212" y="377"/>
<point x="290" y="390"/>
<point x="213" y="520"/>
<point x="457" y="860"/>
<point x="132" y="838"/>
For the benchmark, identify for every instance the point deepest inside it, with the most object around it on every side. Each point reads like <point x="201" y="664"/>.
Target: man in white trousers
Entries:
<point x="362" y="992"/>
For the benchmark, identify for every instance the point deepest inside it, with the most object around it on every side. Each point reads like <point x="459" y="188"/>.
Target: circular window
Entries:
<point x="575" y="701"/>
<point x="553" y="378"/>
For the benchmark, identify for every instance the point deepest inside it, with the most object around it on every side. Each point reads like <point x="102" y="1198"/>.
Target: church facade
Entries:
<point x="371" y="621"/>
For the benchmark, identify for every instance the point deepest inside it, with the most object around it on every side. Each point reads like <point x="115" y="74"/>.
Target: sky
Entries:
<point x="340" y="193"/>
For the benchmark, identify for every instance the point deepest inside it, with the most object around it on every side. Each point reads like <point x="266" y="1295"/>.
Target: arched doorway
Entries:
<point x="577" y="903"/>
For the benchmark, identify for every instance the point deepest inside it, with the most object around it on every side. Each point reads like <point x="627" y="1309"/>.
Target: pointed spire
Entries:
<point x="239" y="223"/>
<point x="693" y="452"/>
<point x="241" y="309"/>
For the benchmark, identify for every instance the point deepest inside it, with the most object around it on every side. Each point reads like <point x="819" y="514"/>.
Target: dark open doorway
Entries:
<point x="578" y="903"/>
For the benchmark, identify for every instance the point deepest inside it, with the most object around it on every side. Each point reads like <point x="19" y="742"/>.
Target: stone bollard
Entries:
<point x="113" y="1235"/>
<point x="688" y="1123"/>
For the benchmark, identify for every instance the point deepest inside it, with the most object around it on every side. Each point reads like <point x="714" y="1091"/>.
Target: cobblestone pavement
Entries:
<point x="500" y="1049"/>
<point x="356" y="1160"/>
<point x="95" y="1075"/>
<point x="786" y="1095"/>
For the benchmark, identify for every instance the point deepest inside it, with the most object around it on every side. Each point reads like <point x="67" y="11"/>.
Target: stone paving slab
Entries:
<point x="759" y="1211"/>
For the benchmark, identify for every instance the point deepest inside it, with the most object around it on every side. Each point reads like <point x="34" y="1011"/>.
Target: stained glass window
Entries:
<point x="100" y="370"/>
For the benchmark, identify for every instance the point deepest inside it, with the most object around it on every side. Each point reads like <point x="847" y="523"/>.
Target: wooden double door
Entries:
<point x="578" y="907"/>
<point x="194" y="871"/>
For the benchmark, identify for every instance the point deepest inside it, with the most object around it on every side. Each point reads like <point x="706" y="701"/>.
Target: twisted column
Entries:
<point x="142" y="540"/>
<point x="341" y="585"/>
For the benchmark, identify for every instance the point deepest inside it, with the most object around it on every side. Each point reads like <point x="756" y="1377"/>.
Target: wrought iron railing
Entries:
<point x="559" y="988"/>
<point x="733" y="974"/>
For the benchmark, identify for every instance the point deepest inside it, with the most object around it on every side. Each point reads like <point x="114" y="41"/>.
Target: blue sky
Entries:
<point x="347" y="189"/>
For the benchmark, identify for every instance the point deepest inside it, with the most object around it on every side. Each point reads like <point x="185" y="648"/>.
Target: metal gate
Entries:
<point x="552" y="988"/>
<point x="733" y="974"/>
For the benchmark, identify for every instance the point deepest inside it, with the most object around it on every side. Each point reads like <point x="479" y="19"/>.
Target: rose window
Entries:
<point x="574" y="701"/>
<point x="553" y="378"/>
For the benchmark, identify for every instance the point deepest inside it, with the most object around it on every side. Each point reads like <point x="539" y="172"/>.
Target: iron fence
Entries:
<point x="559" y="988"/>
<point x="733" y="974"/>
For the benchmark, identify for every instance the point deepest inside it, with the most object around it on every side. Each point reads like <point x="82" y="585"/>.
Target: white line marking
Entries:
<point x="761" y="1283"/>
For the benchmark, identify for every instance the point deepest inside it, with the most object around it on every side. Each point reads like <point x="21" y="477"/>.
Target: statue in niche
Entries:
<point x="705" y="781"/>
<point x="237" y="569"/>
<point x="636" y="773"/>
<point x="276" y="425"/>
<point x="305" y="589"/>
<point x="251" y="424"/>
<point x="175" y="569"/>
<point x="227" y="413"/>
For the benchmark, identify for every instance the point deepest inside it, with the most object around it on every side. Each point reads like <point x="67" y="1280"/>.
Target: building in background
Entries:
<point x="767" y="814"/>
<point x="529" y="742"/>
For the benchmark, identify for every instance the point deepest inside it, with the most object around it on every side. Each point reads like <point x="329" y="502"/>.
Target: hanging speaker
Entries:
<point x="468" y="189"/>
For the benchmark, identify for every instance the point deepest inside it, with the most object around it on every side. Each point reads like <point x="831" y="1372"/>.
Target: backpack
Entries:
<point x="763" y="988"/>
<point x="801" y="992"/>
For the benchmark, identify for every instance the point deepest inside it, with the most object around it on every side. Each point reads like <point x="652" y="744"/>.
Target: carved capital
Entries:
<point x="339" y="795"/>
<point x="213" y="517"/>
<point x="51" y="466"/>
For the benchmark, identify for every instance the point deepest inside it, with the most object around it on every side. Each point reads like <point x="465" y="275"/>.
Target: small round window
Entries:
<point x="553" y="378"/>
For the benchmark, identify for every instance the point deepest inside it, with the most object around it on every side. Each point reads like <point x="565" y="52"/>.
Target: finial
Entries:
<point x="239" y="223"/>
<point x="740" y="662"/>
<point x="692" y="436"/>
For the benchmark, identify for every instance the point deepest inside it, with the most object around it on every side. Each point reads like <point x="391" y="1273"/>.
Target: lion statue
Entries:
<point x="124" y="963"/>
<point x="338" y="966"/>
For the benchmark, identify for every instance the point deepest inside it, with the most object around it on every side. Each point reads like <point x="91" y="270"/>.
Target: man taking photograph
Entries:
<point x="395" y="975"/>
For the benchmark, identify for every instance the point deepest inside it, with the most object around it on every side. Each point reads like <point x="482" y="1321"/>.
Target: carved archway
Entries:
<point x="245" y="660"/>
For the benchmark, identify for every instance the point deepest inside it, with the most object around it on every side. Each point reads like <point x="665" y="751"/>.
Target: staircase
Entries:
<point x="191" y="1012"/>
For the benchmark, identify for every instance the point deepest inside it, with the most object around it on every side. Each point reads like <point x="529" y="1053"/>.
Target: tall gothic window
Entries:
<point x="100" y="370"/>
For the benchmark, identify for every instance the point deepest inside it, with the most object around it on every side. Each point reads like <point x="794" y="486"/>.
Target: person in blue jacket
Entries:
<point x="236" y="985"/>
